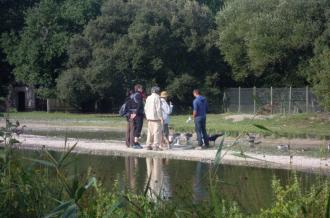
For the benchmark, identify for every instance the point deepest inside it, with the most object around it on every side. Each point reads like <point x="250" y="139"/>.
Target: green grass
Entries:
<point x="299" y="125"/>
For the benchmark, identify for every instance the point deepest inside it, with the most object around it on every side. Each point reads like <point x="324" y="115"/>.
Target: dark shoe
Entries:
<point x="157" y="149"/>
<point x="137" y="145"/>
<point x="148" y="147"/>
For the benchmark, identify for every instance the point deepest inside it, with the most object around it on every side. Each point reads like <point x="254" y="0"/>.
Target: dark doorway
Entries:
<point x="21" y="101"/>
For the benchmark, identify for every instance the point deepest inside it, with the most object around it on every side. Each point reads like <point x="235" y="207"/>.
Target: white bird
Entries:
<point x="189" y="119"/>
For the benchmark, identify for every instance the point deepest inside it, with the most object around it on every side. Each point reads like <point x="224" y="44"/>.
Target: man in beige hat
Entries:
<point x="167" y="110"/>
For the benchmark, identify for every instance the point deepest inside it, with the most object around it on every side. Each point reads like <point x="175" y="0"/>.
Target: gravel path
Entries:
<point x="118" y="148"/>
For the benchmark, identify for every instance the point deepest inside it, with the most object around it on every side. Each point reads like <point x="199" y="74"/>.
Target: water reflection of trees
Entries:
<point x="159" y="181"/>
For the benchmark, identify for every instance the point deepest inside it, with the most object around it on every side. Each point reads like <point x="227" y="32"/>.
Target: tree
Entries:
<point x="319" y="75"/>
<point x="12" y="20"/>
<point x="39" y="52"/>
<point x="181" y="89"/>
<point x="147" y="42"/>
<point x="266" y="42"/>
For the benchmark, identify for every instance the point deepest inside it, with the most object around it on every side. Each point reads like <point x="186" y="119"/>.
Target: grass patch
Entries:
<point x="297" y="126"/>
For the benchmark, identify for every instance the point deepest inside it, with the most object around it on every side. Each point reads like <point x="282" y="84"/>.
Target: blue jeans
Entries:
<point x="200" y="128"/>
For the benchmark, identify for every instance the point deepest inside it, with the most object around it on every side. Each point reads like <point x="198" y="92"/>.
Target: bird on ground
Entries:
<point x="252" y="140"/>
<point x="175" y="139"/>
<point x="213" y="138"/>
<point x="283" y="147"/>
<point x="19" y="131"/>
<point x="188" y="136"/>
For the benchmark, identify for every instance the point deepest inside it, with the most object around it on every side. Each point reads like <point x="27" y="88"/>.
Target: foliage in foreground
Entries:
<point x="49" y="186"/>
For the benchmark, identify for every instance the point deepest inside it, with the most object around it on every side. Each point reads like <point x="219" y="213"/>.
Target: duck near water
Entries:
<point x="213" y="138"/>
<point x="252" y="140"/>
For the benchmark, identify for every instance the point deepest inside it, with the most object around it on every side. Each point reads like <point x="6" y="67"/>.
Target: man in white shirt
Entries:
<point x="154" y="115"/>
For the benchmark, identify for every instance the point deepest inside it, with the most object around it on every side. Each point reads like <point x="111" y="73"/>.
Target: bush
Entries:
<point x="73" y="88"/>
<point x="180" y="91"/>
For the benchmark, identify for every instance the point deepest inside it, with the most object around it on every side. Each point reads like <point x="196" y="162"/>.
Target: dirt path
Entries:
<point x="111" y="147"/>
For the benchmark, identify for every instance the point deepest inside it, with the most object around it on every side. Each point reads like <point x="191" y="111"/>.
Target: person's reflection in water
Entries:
<point x="131" y="165"/>
<point x="199" y="191"/>
<point x="159" y="186"/>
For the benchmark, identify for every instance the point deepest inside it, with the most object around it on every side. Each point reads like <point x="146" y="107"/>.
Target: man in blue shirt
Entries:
<point x="199" y="114"/>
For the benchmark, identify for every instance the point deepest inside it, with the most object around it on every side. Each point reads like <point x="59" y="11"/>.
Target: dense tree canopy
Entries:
<point x="148" y="42"/>
<point x="268" y="41"/>
<point x="39" y="51"/>
<point x="91" y="52"/>
<point x="11" y="20"/>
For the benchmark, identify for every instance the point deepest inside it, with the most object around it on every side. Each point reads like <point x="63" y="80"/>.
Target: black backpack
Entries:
<point x="123" y="111"/>
<point x="130" y="103"/>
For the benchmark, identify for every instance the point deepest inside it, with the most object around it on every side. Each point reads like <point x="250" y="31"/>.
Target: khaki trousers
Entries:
<point x="154" y="135"/>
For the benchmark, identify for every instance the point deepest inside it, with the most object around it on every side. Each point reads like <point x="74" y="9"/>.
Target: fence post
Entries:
<point x="239" y="99"/>
<point x="290" y="97"/>
<point x="254" y="99"/>
<point x="271" y="99"/>
<point x="306" y="99"/>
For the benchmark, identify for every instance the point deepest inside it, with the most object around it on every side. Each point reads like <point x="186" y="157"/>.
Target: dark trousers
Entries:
<point x="200" y="128"/>
<point x="129" y="137"/>
<point x="138" y="123"/>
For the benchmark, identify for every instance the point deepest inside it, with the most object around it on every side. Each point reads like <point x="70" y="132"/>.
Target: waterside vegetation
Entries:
<point x="49" y="186"/>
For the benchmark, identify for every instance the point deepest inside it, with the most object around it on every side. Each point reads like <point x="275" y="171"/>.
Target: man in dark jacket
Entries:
<point x="138" y="121"/>
<point x="200" y="108"/>
<point x="135" y="117"/>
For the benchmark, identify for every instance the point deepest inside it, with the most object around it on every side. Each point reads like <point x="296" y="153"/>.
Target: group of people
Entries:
<point x="156" y="109"/>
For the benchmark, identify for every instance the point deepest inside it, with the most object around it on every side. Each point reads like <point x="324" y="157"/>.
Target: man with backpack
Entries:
<point x="133" y="109"/>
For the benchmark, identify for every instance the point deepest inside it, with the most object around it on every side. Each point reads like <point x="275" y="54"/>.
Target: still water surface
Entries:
<point x="249" y="187"/>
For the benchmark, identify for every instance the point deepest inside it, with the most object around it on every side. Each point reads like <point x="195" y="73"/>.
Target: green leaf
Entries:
<point x="13" y="141"/>
<point x="147" y="185"/>
<point x="71" y="211"/>
<point x="117" y="205"/>
<point x="43" y="162"/>
<point x="62" y="207"/>
<point x="327" y="212"/>
<point x="3" y="155"/>
<point x="262" y="127"/>
<point x="218" y="154"/>
<point x="82" y="189"/>
<point x="91" y="182"/>
<point x="51" y="158"/>
<point x="66" y="155"/>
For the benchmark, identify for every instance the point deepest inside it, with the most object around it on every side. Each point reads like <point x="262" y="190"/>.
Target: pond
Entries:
<point x="249" y="187"/>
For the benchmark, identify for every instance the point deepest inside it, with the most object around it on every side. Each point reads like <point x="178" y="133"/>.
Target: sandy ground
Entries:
<point x="111" y="147"/>
<point x="241" y="117"/>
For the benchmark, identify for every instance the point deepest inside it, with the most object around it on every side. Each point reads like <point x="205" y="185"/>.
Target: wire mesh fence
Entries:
<point x="236" y="100"/>
<point x="270" y="100"/>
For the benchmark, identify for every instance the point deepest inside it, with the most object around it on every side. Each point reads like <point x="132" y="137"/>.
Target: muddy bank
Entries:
<point x="117" y="148"/>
